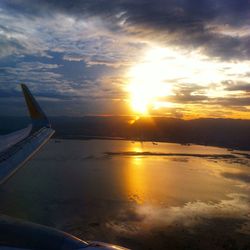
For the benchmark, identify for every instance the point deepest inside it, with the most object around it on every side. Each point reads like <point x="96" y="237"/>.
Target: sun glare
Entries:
<point x="162" y="72"/>
<point x="147" y="82"/>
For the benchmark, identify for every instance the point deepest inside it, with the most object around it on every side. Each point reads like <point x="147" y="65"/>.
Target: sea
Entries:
<point x="140" y="195"/>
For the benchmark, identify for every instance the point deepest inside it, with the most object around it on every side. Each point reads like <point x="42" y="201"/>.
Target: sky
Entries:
<point x="174" y="58"/>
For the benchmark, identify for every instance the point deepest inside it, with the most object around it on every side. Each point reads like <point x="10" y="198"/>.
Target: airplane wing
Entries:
<point x="15" y="149"/>
<point x="18" y="147"/>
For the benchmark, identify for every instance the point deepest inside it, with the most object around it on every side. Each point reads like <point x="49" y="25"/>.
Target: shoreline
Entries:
<point x="86" y="138"/>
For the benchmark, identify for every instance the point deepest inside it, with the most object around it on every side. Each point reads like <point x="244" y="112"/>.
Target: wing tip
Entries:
<point x="37" y="115"/>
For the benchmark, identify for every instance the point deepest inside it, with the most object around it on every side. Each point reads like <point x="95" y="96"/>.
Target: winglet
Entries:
<point x="38" y="117"/>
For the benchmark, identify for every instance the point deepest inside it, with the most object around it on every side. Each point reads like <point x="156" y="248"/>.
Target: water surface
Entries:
<point x="140" y="195"/>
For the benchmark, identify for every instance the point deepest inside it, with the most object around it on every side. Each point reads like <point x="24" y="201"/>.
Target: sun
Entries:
<point x="147" y="82"/>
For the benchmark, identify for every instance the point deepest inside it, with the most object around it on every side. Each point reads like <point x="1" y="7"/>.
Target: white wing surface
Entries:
<point x="17" y="147"/>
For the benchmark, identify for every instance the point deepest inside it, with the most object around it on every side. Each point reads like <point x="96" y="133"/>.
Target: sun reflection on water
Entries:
<point x="135" y="175"/>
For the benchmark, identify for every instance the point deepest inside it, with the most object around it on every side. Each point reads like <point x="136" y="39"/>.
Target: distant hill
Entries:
<point x="217" y="132"/>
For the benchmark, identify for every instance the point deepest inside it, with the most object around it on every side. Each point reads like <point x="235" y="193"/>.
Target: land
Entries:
<point x="229" y="133"/>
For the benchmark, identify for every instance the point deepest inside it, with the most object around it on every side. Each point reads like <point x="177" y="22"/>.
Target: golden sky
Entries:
<point x="167" y="80"/>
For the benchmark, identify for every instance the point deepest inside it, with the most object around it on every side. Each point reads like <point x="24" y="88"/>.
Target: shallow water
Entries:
<point x="139" y="195"/>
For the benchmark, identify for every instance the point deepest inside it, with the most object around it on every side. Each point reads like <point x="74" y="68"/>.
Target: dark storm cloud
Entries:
<point x="162" y="13"/>
<point x="193" y="23"/>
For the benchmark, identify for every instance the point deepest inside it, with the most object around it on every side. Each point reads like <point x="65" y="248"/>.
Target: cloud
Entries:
<point x="86" y="39"/>
<point x="60" y="55"/>
<point x="89" y="46"/>
<point x="194" y="24"/>
<point x="233" y="101"/>
<point x="238" y="86"/>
